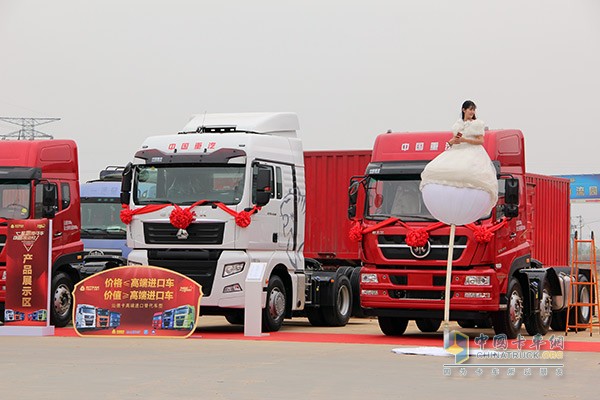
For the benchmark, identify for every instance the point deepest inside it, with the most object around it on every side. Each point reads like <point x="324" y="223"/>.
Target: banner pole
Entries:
<point x="448" y="283"/>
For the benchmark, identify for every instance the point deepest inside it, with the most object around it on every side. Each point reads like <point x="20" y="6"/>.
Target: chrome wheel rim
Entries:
<point x="516" y="309"/>
<point x="343" y="300"/>
<point x="62" y="300"/>
<point x="276" y="304"/>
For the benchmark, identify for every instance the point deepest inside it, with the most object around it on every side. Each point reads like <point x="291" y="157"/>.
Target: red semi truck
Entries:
<point x="509" y="268"/>
<point x="40" y="179"/>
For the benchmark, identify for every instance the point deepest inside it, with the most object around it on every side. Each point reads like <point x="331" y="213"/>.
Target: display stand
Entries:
<point x="253" y="300"/>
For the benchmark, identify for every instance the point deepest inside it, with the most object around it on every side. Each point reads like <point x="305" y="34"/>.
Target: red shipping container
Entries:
<point x="328" y="176"/>
<point x="549" y="210"/>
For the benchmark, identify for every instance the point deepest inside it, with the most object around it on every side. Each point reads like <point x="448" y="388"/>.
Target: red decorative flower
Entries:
<point x="181" y="218"/>
<point x="417" y="237"/>
<point x="482" y="234"/>
<point x="355" y="233"/>
<point x="126" y="215"/>
<point x="243" y="219"/>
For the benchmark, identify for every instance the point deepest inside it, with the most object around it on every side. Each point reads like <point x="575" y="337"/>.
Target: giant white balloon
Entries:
<point x="456" y="205"/>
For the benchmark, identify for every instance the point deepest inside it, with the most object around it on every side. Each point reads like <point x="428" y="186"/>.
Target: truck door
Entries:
<point x="265" y="223"/>
<point x="58" y="232"/>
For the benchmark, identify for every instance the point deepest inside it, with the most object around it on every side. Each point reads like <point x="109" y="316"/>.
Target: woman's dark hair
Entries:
<point x="466" y="105"/>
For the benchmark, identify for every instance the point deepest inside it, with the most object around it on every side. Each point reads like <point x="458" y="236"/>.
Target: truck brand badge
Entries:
<point x="419" y="146"/>
<point x="421" y="251"/>
<point x="182" y="234"/>
<point x="96" y="252"/>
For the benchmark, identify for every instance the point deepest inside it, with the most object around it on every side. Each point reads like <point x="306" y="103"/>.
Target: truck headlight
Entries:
<point x="232" y="269"/>
<point x="369" y="278"/>
<point x="477" y="280"/>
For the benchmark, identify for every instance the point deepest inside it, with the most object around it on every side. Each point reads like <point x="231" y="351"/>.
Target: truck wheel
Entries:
<point x="274" y="312"/>
<point x="559" y="320"/>
<point x="509" y="321"/>
<point x="428" y="325"/>
<point x="466" y="323"/>
<point x="235" y="317"/>
<point x="539" y="323"/>
<point x="339" y="313"/>
<point x="62" y="300"/>
<point x="357" y="310"/>
<point x="315" y="316"/>
<point x="392" y="326"/>
<point x="583" y="312"/>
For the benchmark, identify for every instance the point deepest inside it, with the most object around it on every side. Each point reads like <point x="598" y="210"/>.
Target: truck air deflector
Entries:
<point x="221" y="156"/>
<point x="396" y="168"/>
<point x="20" y="173"/>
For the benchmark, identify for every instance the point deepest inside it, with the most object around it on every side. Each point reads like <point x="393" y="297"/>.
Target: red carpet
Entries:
<point x="409" y="340"/>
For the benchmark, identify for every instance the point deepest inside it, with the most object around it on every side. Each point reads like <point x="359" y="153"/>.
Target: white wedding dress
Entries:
<point x="464" y="165"/>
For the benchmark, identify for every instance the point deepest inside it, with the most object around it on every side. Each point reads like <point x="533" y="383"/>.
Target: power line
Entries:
<point x="27" y="131"/>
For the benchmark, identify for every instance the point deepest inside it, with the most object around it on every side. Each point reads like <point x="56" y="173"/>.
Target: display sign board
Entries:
<point x="28" y="268"/>
<point x="584" y="188"/>
<point x="136" y="301"/>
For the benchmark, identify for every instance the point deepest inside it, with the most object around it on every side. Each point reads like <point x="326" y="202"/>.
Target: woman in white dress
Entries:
<point x="465" y="164"/>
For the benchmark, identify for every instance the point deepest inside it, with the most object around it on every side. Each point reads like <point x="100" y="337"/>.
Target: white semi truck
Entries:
<point x="243" y="176"/>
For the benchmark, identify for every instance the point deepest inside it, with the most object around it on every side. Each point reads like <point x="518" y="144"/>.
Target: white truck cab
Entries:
<point x="237" y="163"/>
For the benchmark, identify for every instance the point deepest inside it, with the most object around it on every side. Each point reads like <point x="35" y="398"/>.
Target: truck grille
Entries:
<point x="198" y="233"/>
<point x="199" y="265"/>
<point x="394" y="247"/>
<point x="418" y="294"/>
<point x="2" y="242"/>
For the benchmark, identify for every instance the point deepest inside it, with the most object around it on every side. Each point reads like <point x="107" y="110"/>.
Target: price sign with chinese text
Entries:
<point x="136" y="301"/>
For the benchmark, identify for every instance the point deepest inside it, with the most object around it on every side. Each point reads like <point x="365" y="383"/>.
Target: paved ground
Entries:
<point x="199" y="368"/>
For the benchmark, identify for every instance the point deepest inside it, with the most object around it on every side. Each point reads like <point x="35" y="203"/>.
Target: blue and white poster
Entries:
<point x="584" y="188"/>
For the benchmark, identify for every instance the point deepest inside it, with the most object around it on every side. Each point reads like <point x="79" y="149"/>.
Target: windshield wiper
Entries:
<point x="115" y="229"/>
<point x="156" y="201"/>
<point x="420" y="217"/>
<point x="93" y="229"/>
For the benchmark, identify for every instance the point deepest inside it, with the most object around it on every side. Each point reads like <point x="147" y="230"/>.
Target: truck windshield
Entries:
<point x="186" y="185"/>
<point x="15" y="199"/>
<point x="396" y="197"/>
<point x="87" y="310"/>
<point x="182" y="310"/>
<point x="100" y="218"/>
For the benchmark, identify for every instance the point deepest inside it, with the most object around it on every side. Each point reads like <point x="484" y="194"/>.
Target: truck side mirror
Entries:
<point x="262" y="185"/>
<point x="49" y="200"/>
<point x="511" y="191"/>
<point x="352" y="197"/>
<point x="126" y="184"/>
<point x="511" y="198"/>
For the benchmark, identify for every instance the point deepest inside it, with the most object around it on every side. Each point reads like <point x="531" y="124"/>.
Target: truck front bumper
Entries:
<point x="416" y="291"/>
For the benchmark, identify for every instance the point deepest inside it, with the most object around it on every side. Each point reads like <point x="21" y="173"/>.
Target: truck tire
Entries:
<point x="539" y="323"/>
<point x="235" y="317"/>
<point x="392" y="326"/>
<point x="509" y="321"/>
<point x="583" y="312"/>
<point x="339" y="313"/>
<point x="315" y="316"/>
<point x="61" y="308"/>
<point x="274" y="311"/>
<point x="357" y="310"/>
<point x="428" y="325"/>
<point x="466" y="323"/>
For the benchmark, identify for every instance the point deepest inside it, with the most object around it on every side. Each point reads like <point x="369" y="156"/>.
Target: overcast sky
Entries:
<point x="116" y="72"/>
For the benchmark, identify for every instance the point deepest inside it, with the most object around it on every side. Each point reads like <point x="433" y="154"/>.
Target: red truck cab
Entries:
<point x="501" y="280"/>
<point x="40" y="179"/>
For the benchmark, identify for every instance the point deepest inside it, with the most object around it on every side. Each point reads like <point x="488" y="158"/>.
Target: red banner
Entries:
<point x="27" y="271"/>
<point x="136" y="301"/>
